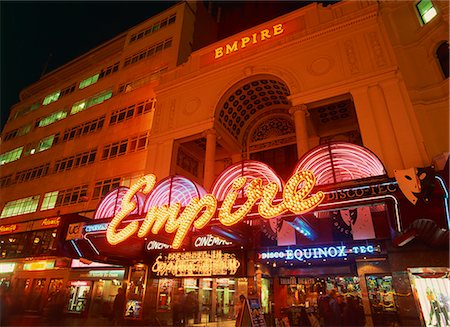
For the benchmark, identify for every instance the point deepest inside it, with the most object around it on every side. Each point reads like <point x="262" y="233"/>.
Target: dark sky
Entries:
<point x="36" y="32"/>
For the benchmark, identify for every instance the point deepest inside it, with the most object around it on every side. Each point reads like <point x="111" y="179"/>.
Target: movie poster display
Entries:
<point x="135" y="292"/>
<point x="433" y="294"/>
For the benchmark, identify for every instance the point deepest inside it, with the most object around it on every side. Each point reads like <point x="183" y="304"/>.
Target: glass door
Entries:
<point x="36" y="295"/>
<point x="79" y="293"/>
<point x="225" y="298"/>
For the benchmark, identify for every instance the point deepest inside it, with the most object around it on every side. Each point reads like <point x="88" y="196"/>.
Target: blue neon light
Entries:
<point x="444" y="187"/>
<point x="96" y="227"/>
<point x="301" y="226"/>
<point x="301" y="254"/>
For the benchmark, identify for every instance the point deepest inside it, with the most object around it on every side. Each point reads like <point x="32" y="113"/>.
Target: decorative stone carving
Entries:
<point x="377" y="49"/>
<point x="191" y="106"/>
<point x="351" y="56"/>
<point x="320" y="66"/>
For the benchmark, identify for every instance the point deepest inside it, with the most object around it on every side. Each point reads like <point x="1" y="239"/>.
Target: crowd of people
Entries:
<point x="184" y="307"/>
<point x="334" y="309"/>
<point x="339" y="311"/>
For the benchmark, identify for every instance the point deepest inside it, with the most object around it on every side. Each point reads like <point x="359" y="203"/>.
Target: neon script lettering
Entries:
<point x="199" y="212"/>
<point x="247" y="40"/>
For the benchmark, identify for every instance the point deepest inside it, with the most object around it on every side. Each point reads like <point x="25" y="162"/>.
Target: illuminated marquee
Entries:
<point x="254" y="38"/>
<point x="201" y="263"/>
<point x="199" y="211"/>
<point x="300" y="254"/>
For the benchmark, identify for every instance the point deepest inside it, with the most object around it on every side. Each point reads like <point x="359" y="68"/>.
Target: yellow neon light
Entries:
<point x="199" y="212"/>
<point x="243" y="42"/>
<point x="200" y="263"/>
<point x="146" y="183"/>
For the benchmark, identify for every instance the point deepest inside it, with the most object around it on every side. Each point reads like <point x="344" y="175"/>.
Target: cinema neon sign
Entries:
<point x="295" y="198"/>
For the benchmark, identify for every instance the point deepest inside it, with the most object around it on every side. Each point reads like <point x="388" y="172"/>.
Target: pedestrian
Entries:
<point x="178" y="308"/>
<point x="5" y="306"/>
<point x="239" y="309"/>
<point x="118" y="307"/>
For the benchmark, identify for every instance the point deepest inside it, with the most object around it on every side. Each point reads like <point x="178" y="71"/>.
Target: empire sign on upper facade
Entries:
<point x="243" y="42"/>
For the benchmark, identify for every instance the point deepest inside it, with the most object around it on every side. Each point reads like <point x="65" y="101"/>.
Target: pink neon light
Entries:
<point x="347" y="161"/>
<point x="248" y="168"/>
<point x="173" y="189"/>
<point x="112" y="202"/>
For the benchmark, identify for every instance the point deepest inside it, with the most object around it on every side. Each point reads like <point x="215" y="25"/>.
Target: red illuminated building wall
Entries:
<point x="354" y="92"/>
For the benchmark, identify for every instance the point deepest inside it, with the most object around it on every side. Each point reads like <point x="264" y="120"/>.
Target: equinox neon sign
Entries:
<point x="300" y="254"/>
<point x="296" y="198"/>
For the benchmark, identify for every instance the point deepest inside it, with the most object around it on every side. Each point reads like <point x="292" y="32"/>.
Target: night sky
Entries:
<point x="36" y="34"/>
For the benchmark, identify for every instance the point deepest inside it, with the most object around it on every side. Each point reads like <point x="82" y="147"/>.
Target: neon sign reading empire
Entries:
<point x="199" y="212"/>
<point x="251" y="39"/>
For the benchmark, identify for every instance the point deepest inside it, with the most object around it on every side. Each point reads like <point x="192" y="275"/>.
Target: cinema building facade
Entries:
<point x="304" y="154"/>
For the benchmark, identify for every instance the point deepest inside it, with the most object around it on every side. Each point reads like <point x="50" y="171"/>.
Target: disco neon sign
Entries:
<point x="301" y="254"/>
<point x="296" y="198"/>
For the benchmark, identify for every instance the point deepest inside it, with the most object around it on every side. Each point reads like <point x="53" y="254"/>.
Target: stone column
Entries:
<point x="210" y="158"/>
<point x="299" y="114"/>
<point x="407" y="130"/>
<point x="386" y="129"/>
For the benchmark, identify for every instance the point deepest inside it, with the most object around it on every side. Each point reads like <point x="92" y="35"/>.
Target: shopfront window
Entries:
<point x="432" y="292"/>
<point x="135" y="292"/>
<point x="79" y="293"/>
<point x="333" y="301"/>
<point x="198" y="300"/>
<point x="382" y="299"/>
<point x="28" y="244"/>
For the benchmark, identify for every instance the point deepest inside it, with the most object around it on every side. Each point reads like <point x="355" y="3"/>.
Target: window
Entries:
<point x="89" y="81"/>
<point x="124" y="146"/>
<point x="85" y="128"/>
<point x="51" y="98"/>
<point x="32" y="173"/>
<point x="71" y="196"/>
<point x="129" y="112"/>
<point x="49" y="200"/>
<point x="11" y="155"/>
<point x="67" y="90"/>
<point x="18" y="132"/>
<point x="154" y="28"/>
<point x="172" y="19"/>
<point x="54" y="117"/>
<point x="29" y="244"/>
<point x="78" y="160"/>
<point x="101" y="188"/>
<point x="115" y="149"/>
<point x="5" y="181"/>
<point x="92" y="101"/>
<point x="127" y="87"/>
<point x="109" y="70"/>
<point x="20" y="207"/>
<point x="148" y="52"/>
<point x="442" y="53"/>
<point x="78" y="106"/>
<point x="426" y="10"/>
<point x="46" y="143"/>
<point x="23" y="111"/>
<point x="43" y="144"/>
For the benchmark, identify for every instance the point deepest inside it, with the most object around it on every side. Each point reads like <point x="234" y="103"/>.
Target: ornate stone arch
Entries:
<point x="246" y="100"/>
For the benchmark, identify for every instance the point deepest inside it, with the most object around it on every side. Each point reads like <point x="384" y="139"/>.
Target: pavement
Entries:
<point x="69" y="321"/>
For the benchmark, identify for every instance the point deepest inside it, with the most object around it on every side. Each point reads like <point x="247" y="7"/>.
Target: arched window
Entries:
<point x="442" y="55"/>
